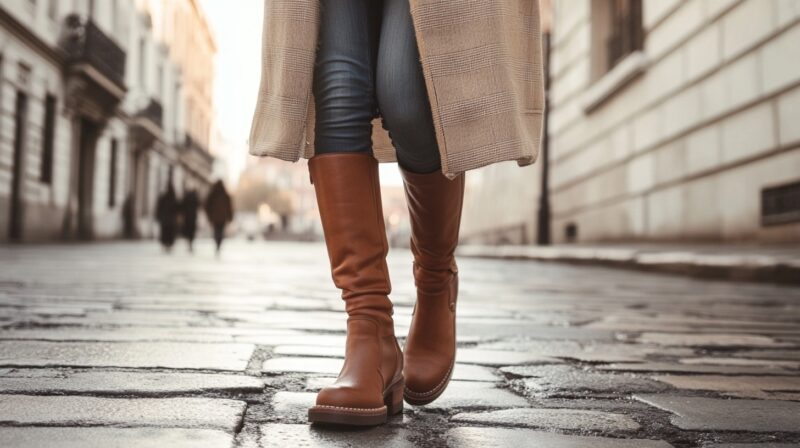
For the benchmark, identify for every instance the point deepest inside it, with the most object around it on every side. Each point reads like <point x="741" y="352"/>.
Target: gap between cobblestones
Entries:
<point x="260" y="354"/>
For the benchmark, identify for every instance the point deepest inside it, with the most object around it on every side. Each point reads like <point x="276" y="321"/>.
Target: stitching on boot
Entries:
<point x="349" y="409"/>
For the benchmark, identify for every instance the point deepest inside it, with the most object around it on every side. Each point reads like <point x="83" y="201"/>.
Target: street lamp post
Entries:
<point x="543" y="221"/>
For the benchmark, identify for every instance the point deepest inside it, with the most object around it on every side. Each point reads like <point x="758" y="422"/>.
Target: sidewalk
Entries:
<point x="770" y="264"/>
<point x="117" y="344"/>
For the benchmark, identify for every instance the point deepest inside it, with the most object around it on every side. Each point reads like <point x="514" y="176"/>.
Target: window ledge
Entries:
<point x="632" y="66"/>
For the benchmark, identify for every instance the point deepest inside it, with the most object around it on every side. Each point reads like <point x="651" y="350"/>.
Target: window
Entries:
<point x="615" y="53"/>
<point x="24" y="74"/>
<point x="780" y="204"/>
<point x="616" y="33"/>
<point x="48" y="139"/>
<point x="160" y="82"/>
<point x="114" y="15"/>
<point x="142" y="62"/>
<point x="16" y="219"/>
<point x="52" y="9"/>
<point x="626" y="30"/>
<point x="112" y="176"/>
<point x="177" y="102"/>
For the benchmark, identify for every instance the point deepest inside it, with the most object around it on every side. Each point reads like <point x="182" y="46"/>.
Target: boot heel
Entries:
<point x="394" y="398"/>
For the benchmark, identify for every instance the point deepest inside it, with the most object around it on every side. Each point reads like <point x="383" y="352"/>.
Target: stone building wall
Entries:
<point x="684" y="148"/>
<point x="677" y="140"/>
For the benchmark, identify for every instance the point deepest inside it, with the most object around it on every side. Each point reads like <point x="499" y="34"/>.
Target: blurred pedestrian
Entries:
<point x="219" y="209"/>
<point x="167" y="216"/>
<point x="128" y="218"/>
<point x="189" y="206"/>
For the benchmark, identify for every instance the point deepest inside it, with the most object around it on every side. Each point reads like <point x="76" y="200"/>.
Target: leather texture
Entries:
<point x="348" y="196"/>
<point x="435" y="205"/>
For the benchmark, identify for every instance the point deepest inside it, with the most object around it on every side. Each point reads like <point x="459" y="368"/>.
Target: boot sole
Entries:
<point x="421" y="399"/>
<point x="337" y="415"/>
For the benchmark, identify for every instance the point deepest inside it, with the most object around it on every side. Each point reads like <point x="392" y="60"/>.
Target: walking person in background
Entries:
<point x="189" y="205"/>
<point x="458" y="85"/>
<point x="167" y="209"/>
<point x="219" y="209"/>
<point x="128" y="217"/>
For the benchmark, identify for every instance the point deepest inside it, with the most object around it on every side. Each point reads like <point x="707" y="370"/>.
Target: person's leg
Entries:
<point x="344" y="75"/>
<point x="434" y="204"/>
<point x="345" y="177"/>
<point x="219" y="233"/>
<point x="190" y="239"/>
<point x="401" y="92"/>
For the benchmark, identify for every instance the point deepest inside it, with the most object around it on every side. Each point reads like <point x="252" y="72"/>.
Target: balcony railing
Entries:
<point x="153" y="112"/>
<point x="190" y="144"/>
<point x="84" y="43"/>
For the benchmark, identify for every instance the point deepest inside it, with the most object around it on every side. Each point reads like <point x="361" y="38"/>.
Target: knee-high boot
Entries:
<point x="370" y="385"/>
<point x="434" y="204"/>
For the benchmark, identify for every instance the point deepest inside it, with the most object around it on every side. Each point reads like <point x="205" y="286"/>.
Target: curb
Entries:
<point x="747" y="267"/>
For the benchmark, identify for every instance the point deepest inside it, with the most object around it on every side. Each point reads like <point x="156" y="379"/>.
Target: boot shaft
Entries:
<point x="434" y="204"/>
<point x="349" y="200"/>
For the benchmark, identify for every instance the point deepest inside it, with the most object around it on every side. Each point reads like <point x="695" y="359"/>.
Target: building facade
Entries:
<point x="669" y="120"/>
<point x="181" y="25"/>
<point x="91" y="125"/>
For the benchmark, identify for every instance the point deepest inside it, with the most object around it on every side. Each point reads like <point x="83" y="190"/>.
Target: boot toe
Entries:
<point x="426" y="379"/>
<point x="348" y="397"/>
<point x="344" y="405"/>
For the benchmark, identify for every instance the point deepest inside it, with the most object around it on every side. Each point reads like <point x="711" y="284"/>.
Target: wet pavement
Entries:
<point x="117" y="344"/>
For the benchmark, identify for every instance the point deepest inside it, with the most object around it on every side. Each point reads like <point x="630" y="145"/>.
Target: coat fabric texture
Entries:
<point x="482" y="63"/>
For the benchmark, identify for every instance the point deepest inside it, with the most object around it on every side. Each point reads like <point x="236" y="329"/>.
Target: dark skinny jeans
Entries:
<point x="367" y="63"/>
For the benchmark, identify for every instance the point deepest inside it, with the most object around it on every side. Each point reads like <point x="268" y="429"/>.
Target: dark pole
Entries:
<point x="543" y="237"/>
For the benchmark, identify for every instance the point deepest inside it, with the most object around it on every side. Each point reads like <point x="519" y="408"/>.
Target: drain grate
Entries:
<point x="781" y="204"/>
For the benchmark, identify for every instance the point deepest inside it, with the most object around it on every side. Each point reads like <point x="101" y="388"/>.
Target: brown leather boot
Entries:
<point x="370" y="385"/>
<point x="434" y="204"/>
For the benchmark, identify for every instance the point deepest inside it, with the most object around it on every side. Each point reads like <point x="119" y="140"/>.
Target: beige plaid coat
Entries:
<point x="482" y="62"/>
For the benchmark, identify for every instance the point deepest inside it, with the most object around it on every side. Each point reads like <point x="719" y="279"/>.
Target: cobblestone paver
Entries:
<point x="103" y="437"/>
<point x="117" y="344"/>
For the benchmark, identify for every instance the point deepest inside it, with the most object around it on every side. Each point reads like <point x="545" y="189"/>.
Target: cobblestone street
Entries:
<point x="118" y="344"/>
